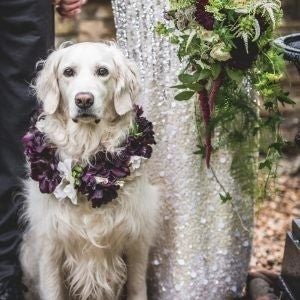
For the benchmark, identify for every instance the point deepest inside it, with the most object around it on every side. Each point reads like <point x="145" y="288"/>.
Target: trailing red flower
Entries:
<point x="204" y="18"/>
<point x="206" y="114"/>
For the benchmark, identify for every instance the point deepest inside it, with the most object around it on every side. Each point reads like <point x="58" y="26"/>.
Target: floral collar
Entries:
<point x="102" y="178"/>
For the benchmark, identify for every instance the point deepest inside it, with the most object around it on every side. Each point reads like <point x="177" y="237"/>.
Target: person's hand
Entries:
<point x="69" y="8"/>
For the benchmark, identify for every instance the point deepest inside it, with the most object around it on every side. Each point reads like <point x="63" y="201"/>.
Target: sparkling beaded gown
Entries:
<point x="202" y="252"/>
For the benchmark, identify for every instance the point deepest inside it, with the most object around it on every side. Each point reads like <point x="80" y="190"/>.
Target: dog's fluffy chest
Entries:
<point x="89" y="243"/>
<point x="109" y="227"/>
<point x="78" y="224"/>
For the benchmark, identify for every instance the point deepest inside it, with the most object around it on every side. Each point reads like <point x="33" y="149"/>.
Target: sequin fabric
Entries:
<point x="202" y="252"/>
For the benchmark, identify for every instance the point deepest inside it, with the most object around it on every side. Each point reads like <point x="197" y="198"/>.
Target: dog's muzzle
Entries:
<point x="84" y="101"/>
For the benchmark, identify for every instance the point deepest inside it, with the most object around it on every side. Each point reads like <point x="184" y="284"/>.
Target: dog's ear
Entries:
<point x="127" y="85"/>
<point x="46" y="85"/>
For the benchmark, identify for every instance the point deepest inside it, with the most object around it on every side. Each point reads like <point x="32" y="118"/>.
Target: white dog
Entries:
<point x="77" y="251"/>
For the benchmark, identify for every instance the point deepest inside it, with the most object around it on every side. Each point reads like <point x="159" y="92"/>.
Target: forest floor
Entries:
<point x="273" y="220"/>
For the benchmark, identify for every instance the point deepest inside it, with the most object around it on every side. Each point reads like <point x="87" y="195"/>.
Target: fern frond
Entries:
<point x="270" y="12"/>
<point x="257" y="31"/>
<point x="244" y="162"/>
<point x="246" y="41"/>
<point x="268" y="8"/>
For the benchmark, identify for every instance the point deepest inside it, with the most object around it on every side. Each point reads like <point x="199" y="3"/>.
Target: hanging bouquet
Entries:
<point x="226" y="47"/>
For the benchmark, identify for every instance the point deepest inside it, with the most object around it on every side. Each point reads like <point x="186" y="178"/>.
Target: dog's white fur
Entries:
<point x="77" y="252"/>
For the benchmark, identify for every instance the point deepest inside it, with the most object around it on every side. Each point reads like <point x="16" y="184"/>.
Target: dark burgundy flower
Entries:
<point x="140" y="144"/>
<point x="103" y="195"/>
<point x="48" y="184"/>
<point x="240" y="58"/>
<point x="98" y="193"/>
<point x="43" y="162"/>
<point x="113" y="167"/>
<point x="204" y="18"/>
<point x="100" y="180"/>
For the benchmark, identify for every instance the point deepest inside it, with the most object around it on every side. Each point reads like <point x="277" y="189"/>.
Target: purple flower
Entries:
<point x="113" y="167"/>
<point x="140" y="145"/>
<point x="47" y="184"/>
<point x="204" y="18"/>
<point x="240" y="58"/>
<point x="101" y="179"/>
<point x="106" y="166"/>
<point x="43" y="162"/>
<point x="103" y="195"/>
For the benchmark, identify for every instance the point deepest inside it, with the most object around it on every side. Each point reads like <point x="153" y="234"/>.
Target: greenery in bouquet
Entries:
<point x="233" y="68"/>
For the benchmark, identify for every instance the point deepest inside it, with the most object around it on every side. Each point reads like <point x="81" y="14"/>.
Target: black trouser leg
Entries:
<point x="26" y="35"/>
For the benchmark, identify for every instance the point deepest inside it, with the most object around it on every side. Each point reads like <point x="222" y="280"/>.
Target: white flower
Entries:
<point x="100" y="180"/>
<point x="190" y="13"/>
<point x="105" y="181"/>
<point x="66" y="187"/>
<point x="135" y="162"/>
<point x="208" y="35"/>
<point x="218" y="52"/>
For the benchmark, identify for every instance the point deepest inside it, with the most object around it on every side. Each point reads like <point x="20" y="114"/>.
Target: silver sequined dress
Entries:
<point x="201" y="250"/>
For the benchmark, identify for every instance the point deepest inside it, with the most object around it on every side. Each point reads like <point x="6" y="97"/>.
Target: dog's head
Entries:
<point x="87" y="82"/>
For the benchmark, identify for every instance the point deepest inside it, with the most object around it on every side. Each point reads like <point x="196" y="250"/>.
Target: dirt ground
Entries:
<point x="273" y="221"/>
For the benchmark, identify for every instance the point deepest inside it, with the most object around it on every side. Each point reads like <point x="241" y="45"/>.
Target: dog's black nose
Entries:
<point x="84" y="100"/>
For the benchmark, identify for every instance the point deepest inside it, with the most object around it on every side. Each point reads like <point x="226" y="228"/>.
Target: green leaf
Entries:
<point x="277" y="146"/>
<point x="269" y="104"/>
<point x="284" y="99"/>
<point x="216" y="70"/>
<point x="192" y="35"/>
<point x="186" y="95"/>
<point x="78" y="169"/>
<point x="187" y="78"/>
<point x="204" y="74"/>
<point x="234" y="74"/>
<point x="265" y="164"/>
<point x="192" y="86"/>
<point x="162" y="29"/>
<point x="200" y="151"/>
<point x="179" y="86"/>
<point x="195" y="86"/>
<point x="225" y="197"/>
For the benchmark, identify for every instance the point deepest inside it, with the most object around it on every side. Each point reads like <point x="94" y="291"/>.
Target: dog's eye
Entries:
<point x="69" y="72"/>
<point x="102" y="71"/>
